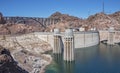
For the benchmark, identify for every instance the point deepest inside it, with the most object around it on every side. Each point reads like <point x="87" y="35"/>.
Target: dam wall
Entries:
<point x="105" y="35"/>
<point x="46" y="36"/>
<point x="81" y="39"/>
<point x="86" y="39"/>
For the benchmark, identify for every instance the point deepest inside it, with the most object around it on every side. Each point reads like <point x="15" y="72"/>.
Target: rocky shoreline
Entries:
<point x="28" y="51"/>
<point x="44" y="67"/>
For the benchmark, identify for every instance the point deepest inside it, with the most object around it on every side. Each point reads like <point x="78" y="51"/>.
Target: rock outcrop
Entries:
<point x="2" y="21"/>
<point x="67" y="21"/>
<point x="64" y="17"/>
<point x="7" y="63"/>
<point x="28" y="52"/>
<point x="19" y="29"/>
<point x="100" y="21"/>
<point x="103" y="21"/>
<point x="116" y="16"/>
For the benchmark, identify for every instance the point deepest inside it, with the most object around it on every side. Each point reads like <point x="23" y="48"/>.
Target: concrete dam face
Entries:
<point x="81" y="39"/>
<point x="67" y="41"/>
<point x="86" y="39"/>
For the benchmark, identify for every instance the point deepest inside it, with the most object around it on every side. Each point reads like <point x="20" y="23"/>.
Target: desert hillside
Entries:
<point x="100" y="21"/>
<point x="103" y="21"/>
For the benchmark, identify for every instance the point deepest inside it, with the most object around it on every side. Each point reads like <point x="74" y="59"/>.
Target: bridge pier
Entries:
<point x="69" y="45"/>
<point x="57" y="42"/>
<point x="50" y="21"/>
<point x="43" y="21"/>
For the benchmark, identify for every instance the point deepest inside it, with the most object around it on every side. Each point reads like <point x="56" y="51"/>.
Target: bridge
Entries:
<point x="32" y="20"/>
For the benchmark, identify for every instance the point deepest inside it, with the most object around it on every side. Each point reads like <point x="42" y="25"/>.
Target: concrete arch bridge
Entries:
<point x="34" y="20"/>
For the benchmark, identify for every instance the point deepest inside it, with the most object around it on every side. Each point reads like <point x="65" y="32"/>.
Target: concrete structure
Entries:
<point x="57" y="42"/>
<point x="81" y="29"/>
<point x="110" y="36"/>
<point x="81" y="39"/>
<point x="27" y="20"/>
<point x="69" y="41"/>
<point x="69" y="45"/>
<point x="93" y="29"/>
<point x="103" y="35"/>
<point x="86" y="39"/>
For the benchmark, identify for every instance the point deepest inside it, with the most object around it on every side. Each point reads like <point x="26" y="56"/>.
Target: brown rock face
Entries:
<point x="100" y="21"/>
<point x="103" y="21"/>
<point x="1" y="19"/>
<point x="67" y="21"/>
<point x="7" y="63"/>
<point x="64" y="17"/>
<point x="19" y="29"/>
<point x="116" y="16"/>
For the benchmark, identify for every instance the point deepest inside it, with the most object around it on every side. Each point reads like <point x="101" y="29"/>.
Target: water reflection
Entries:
<point x="63" y="66"/>
<point x="100" y="58"/>
<point x="96" y="59"/>
<point x="110" y="53"/>
<point x="69" y="67"/>
<point x="85" y="55"/>
<point x="58" y="59"/>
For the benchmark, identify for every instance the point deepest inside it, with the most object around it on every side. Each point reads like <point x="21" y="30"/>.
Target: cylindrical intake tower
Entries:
<point x="57" y="42"/>
<point x="69" y="45"/>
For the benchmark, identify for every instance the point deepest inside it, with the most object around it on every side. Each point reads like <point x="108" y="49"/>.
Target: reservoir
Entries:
<point x="101" y="58"/>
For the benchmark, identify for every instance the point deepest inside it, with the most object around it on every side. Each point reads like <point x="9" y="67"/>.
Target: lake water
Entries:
<point x="97" y="59"/>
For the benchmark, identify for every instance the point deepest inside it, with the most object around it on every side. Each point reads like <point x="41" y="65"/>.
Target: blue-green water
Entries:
<point x="97" y="59"/>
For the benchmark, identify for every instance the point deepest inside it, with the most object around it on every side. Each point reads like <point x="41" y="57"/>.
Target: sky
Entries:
<point x="44" y="8"/>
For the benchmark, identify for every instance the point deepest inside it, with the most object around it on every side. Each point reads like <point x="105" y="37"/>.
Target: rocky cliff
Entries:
<point x="116" y="16"/>
<point x="27" y="51"/>
<point x="67" y="21"/>
<point x="19" y="28"/>
<point x="103" y="21"/>
<point x="7" y="63"/>
<point x="2" y="21"/>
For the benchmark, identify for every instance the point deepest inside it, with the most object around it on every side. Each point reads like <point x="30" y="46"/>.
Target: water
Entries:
<point x="97" y="59"/>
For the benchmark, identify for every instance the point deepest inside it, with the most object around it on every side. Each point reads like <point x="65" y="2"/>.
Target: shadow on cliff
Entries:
<point x="7" y="63"/>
